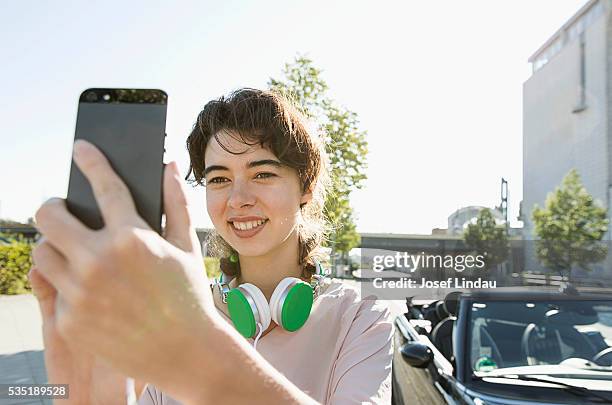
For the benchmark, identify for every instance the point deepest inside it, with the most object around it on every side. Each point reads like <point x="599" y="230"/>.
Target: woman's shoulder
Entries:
<point x="347" y="298"/>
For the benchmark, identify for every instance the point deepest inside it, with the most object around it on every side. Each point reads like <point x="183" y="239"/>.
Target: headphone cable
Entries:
<point x="258" y="335"/>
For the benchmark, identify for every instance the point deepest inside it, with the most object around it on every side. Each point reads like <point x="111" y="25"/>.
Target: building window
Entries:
<point x="581" y="102"/>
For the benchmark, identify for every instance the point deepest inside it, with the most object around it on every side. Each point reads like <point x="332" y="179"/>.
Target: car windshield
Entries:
<point x="519" y="336"/>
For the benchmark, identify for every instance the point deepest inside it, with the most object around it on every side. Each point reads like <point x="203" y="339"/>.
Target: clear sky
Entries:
<point x="437" y="85"/>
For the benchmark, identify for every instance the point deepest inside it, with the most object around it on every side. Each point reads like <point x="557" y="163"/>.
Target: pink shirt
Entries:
<point x="342" y="355"/>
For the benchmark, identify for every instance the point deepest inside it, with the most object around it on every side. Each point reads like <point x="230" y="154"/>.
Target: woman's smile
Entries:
<point x="247" y="227"/>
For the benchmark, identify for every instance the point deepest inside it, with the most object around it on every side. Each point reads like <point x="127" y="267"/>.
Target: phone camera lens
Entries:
<point x="91" y="96"/>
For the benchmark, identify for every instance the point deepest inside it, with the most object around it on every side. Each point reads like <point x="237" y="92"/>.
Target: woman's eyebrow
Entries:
<point x="214" y="167"/>
<point x="250" y="165"/>
<point x="264" y="162"/>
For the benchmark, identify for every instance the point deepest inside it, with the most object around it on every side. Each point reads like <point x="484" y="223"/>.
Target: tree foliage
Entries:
<point x="345" y="144"/>
<point x="15" y="263"/>
<point x="570" y="228"/>
<point x="488" y="239"/>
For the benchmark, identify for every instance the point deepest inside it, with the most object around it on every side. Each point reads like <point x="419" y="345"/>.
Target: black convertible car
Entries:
<point x="507" y="347"/>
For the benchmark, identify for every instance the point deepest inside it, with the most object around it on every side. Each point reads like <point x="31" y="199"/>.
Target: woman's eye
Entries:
<point x="264" y="175"/>
<point x="216" y="180"/>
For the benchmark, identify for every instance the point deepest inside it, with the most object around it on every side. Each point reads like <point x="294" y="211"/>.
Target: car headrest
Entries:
<point x="451" y="302"/>
<point x="441" y="311"/>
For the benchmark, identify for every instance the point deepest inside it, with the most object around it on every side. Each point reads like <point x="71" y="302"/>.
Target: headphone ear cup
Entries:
<point x="291" y="303"/>
<point x="280" y="290"/>
<point x="248" y="306"/>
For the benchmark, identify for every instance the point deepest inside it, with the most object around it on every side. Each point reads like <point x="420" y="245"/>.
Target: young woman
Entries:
<point x="265" y="178"/>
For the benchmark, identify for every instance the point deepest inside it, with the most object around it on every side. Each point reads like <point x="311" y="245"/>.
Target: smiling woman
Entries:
<point x="255" y="145"/>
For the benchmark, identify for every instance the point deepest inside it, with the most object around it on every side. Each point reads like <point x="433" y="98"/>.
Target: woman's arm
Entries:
<point x="234" y="372"/>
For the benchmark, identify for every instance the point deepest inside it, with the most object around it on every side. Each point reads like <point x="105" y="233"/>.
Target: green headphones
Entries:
<point x="289" y="305"/>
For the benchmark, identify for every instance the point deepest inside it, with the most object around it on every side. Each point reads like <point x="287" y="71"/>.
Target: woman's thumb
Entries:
<point x="179" y="230"/>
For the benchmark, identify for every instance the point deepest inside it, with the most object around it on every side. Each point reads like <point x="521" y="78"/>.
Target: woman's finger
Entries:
<point x="44" y="292"/>
<point x="111" y="193"/>
<point x="61" y="228"/>
<point x="179" y="229"/>
<point x="55" y="269"/>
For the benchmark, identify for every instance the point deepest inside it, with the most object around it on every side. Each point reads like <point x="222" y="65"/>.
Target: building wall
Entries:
<point x="556" y="138"/>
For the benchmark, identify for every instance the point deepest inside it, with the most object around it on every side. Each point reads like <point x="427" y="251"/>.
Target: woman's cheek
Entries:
<point x="215" y="208"/>
<point x="286" y="212"/>
<point x="282" y="199"/>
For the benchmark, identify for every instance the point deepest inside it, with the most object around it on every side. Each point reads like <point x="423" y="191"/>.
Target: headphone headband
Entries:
<point x="316" y="281"/>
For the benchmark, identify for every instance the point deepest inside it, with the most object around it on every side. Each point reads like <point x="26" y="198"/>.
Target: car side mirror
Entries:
<point x="416" y="354"/>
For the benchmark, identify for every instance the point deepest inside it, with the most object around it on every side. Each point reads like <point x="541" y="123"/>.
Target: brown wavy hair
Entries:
<point x="270" y="119"/>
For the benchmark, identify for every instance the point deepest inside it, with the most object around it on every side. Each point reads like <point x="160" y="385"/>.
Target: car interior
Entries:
<point x="518" y="333"/>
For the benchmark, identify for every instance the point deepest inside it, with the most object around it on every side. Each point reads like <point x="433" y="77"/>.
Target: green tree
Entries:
<point x="212" y="267"/>
<point x="570" y="228"/>
<point x="488" y="239"/>
<point x="345" y="144"/>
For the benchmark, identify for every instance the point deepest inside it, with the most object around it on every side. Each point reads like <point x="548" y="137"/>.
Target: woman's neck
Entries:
<point x="268" y="270"/>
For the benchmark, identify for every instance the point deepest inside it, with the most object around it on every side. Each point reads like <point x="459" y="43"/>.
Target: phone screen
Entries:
<point x="128" y="126"/>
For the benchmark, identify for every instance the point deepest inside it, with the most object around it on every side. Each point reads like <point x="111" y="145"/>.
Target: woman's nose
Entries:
<point x="240" y="195"/>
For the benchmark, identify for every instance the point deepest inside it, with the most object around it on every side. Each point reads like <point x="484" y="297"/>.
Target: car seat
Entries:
<point x="442" y="333"/>
<point x="541" y="345"/>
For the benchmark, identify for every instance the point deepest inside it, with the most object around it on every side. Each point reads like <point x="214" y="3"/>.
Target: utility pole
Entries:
<point x="504" y="202"/>
<point x="508" y="265"/>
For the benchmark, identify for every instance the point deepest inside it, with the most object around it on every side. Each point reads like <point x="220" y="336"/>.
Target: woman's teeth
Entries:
<point x="245" y="226"/>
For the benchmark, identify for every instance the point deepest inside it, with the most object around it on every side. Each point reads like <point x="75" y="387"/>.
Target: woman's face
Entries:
<point x="252" y="199"/>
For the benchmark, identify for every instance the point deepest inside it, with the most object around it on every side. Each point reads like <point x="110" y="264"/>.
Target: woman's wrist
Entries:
<point x="200" y="365"/>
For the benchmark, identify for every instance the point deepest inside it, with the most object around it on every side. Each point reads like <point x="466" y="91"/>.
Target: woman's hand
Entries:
<point x="123" y="292"/>
<point x="90" y="380"/>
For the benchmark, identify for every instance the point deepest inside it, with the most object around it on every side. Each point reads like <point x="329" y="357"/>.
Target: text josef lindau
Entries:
<point x="424" y="261"/>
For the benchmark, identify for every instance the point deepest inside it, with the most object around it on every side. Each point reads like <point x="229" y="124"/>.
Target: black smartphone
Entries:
<point x="128" y="126"/>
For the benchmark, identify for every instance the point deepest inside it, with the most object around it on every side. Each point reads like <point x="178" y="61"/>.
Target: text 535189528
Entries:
<point x="34" y="391"/>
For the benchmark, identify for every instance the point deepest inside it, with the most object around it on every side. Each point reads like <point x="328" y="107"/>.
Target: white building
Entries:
<point x="566" y="105"/>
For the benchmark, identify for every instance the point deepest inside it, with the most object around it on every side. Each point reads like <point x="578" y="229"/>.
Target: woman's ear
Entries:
<point x="306" y="198"/>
